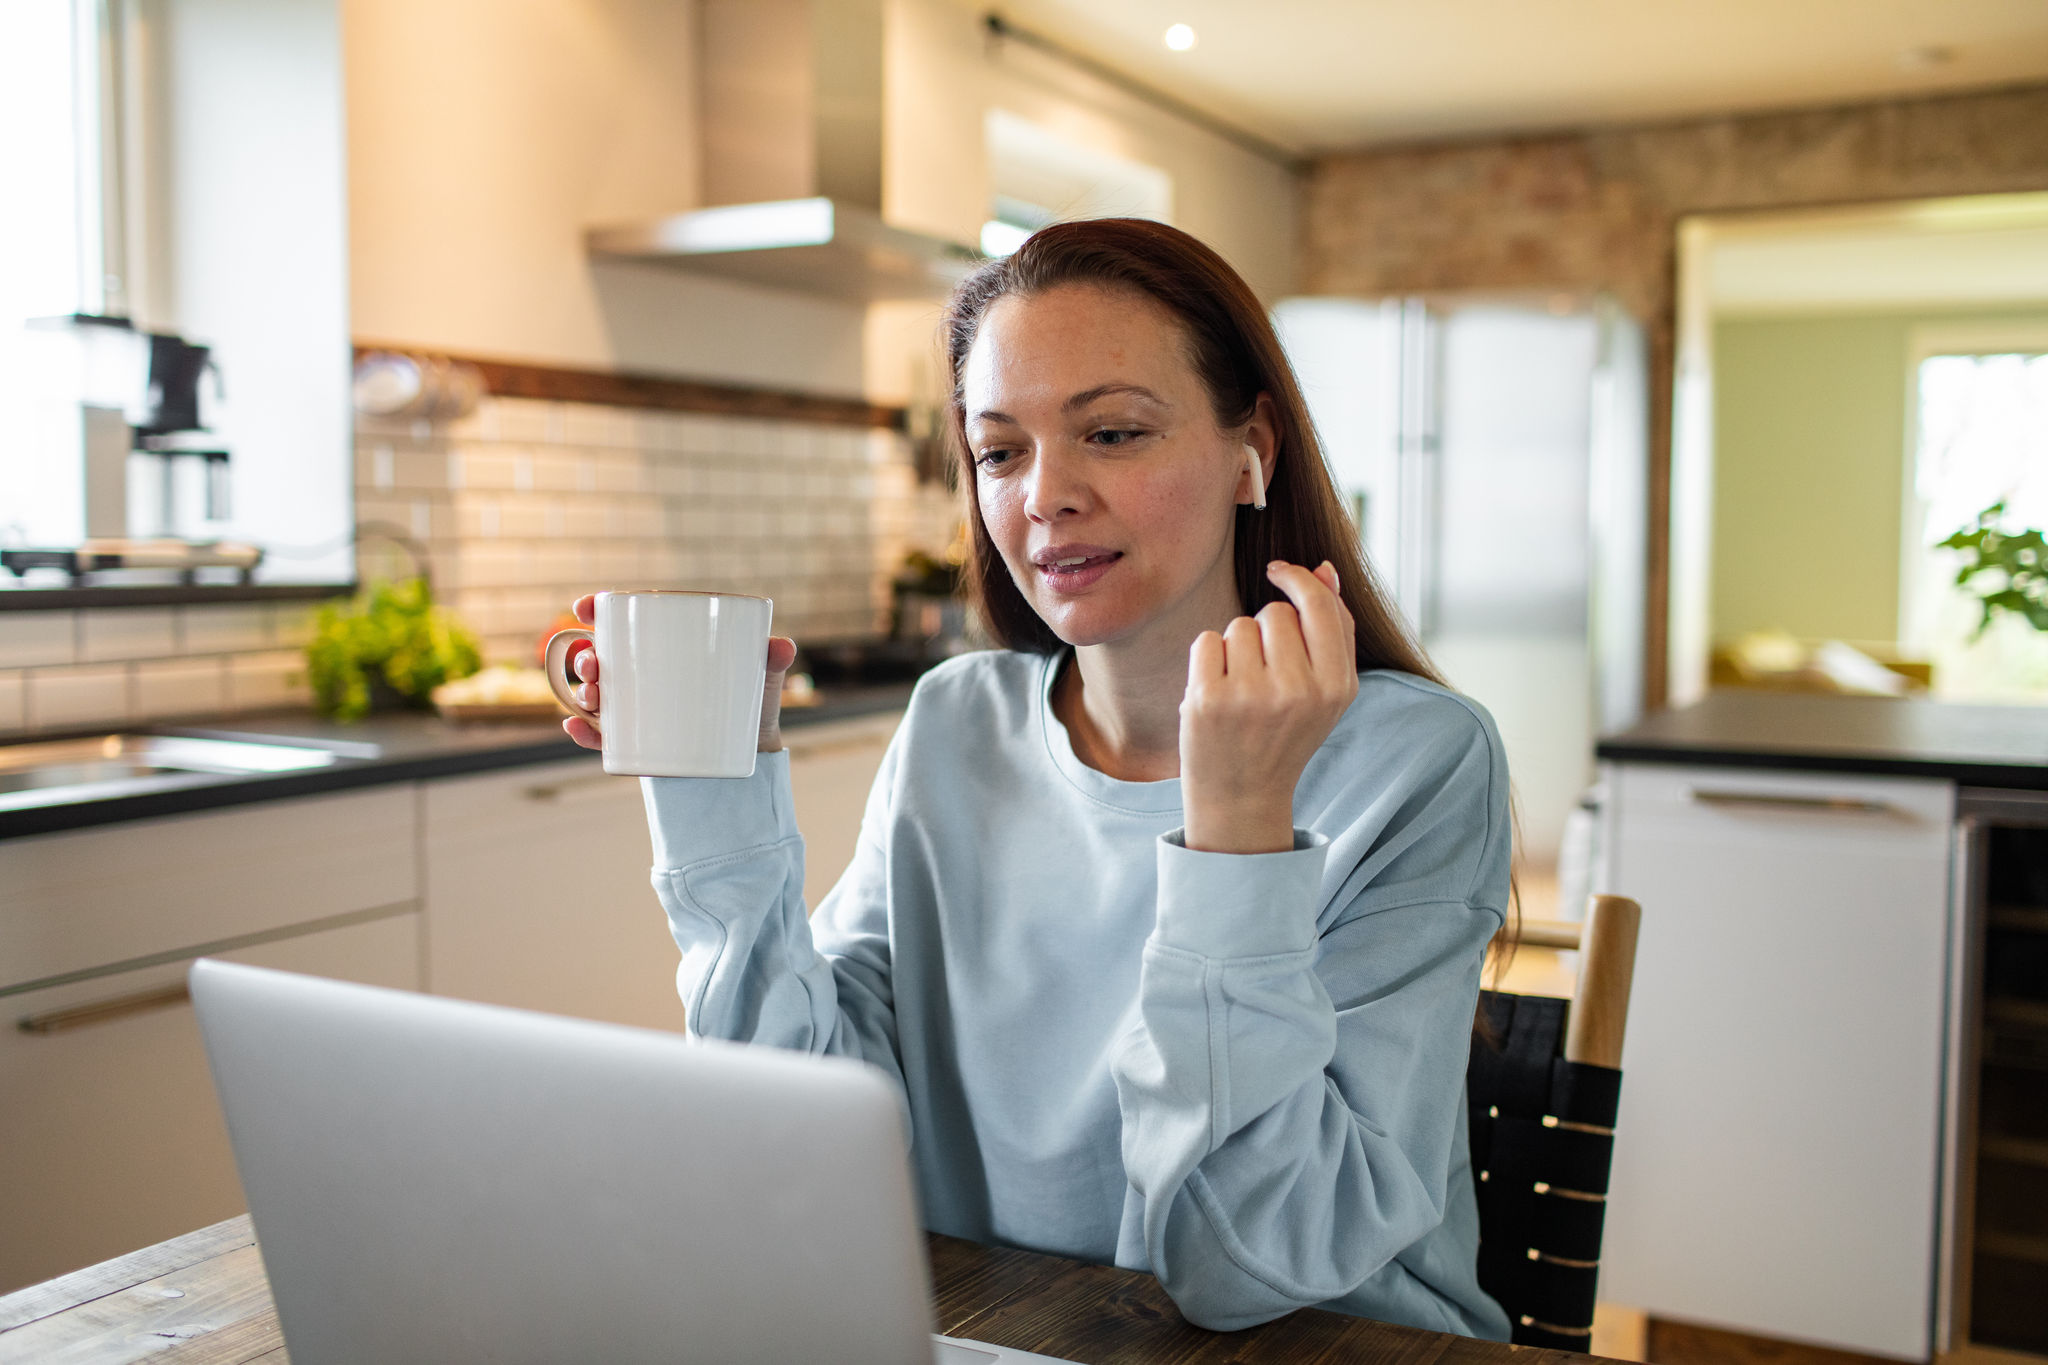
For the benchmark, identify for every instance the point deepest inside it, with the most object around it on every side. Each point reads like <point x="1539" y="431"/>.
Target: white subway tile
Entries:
<point x="495" y="564"/>
<point x="29" y="638"/>
<point x="481" y="425"/>
<point x="294" y="626"/>
<point x="13" y="701"/>
<point x="584" y="516"/>
<point x="370" y="426"/>
<point x="643" y="518"/>
<point x="399" y="467"/>
<point x="180" y="687"/>
<point x="618" y="562"/>
<point x="565" y="562"/>
<point x="263" y="681"/>
<point x="594" y="424"/>
<point x="522" y="419"/>
<point x="512" y="647"/>
<point x="524" y="516"/>
<point x="556" y="471"/>
<point x="658" y="431"/>
<point x="127" y="633"/>
<point x="623" y="474"/>
<point x="226" y="629"/>
<point x="696" y="433"/>
<point x="60" y="698"/>
<point x="490" y="467"/>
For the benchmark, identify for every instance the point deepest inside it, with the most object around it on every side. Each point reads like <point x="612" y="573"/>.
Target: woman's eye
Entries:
<point x="1116" y="436"/>
<point x="992" y="460"/>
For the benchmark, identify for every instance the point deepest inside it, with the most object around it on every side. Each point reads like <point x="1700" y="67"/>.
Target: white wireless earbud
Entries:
<point x="1258" y="472"/>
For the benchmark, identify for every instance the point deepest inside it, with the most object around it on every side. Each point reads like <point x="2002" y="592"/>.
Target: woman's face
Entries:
<point x="1103" y="479"/>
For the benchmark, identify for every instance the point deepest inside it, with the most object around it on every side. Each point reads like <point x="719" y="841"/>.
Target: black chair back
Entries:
<point x="1542" y="1141"/>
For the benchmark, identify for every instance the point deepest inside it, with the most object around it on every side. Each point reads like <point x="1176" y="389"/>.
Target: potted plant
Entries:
<point x="390" y="647"/>
<point x="2017" y="565"/>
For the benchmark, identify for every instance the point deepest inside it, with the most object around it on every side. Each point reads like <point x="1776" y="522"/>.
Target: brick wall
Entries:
<point x="1597" y="211"/>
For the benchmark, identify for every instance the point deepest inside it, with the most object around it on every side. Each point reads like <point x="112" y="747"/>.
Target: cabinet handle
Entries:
<point x="1844" y="805"/>
<point x="104" y="1011"/>
<point x="598" y="784"/>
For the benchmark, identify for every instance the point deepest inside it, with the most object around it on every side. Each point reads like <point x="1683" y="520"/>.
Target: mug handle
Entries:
<point x="556" y="664"/>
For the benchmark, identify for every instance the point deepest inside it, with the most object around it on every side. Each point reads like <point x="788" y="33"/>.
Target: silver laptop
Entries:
<point x="433" y="1180"/>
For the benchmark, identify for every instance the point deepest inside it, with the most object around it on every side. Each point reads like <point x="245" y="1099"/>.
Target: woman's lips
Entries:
<point x="1075" y="578"/>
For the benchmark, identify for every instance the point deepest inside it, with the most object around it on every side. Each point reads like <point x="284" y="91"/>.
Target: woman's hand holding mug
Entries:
<point x="1261" y="699"/>
<point x="583" y="664"/>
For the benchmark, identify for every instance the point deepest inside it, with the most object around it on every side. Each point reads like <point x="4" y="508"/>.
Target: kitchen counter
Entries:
<point x="1976" y="746"/>
<point x="383" y="749"/>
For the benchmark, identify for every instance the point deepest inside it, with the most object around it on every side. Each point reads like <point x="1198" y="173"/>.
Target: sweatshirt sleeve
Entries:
<point x="1290" y="1097"/>
<point x="729" y="871"/>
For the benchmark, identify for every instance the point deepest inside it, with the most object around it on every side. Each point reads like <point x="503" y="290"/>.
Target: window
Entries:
<point x="49" y="236"/>
<point x="1982" y="437"/>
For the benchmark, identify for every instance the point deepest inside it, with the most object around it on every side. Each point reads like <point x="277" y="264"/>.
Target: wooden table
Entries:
<point x="203" y="1298"/>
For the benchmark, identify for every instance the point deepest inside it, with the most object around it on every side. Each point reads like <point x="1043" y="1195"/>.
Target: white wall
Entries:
<point x="485" y="137"/>
<point x="943" y="79"/>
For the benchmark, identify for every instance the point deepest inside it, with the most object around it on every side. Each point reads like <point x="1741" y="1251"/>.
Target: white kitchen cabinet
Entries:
<point x="537" y="895"/>
<point x="537" y="890"/>
<point x="110" y="1136"/>
<point x="1775" y="1166"/>
<point x="91" y="898"/>
<point x="831" y="768"/>
<point x="524" y="886"/>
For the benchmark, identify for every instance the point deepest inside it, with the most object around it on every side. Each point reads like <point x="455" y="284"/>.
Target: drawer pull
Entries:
<point x="1843" y="805"/>
<point x="104" y="1011"/>
<point x="570" y="788"/>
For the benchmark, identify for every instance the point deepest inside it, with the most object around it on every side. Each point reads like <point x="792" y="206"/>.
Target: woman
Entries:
<point x="1168" y="918"/>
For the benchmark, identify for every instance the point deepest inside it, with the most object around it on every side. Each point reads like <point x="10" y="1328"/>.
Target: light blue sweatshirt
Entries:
<point x="1243" y="1073"/>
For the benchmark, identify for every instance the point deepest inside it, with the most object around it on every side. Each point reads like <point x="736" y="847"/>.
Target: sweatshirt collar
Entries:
<point x="1134" y="798"/>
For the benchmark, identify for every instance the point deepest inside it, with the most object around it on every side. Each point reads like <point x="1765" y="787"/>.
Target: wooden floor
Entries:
<point x="1681" y="1343"/>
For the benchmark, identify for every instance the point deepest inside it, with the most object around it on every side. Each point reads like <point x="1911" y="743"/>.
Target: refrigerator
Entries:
<point x="1493" y="451"/>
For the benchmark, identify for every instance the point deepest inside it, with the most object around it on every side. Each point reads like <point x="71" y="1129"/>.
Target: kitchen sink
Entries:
<point x="45" y="772"/>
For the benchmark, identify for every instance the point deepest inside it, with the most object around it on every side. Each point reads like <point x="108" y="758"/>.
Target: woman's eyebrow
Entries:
<point x="1079" y="400"/>
<point x="1087" y="396"/>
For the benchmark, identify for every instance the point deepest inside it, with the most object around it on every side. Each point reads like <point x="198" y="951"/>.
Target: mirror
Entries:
<point x="174" y="343"/>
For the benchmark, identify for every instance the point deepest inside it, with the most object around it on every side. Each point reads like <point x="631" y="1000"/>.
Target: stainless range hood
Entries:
<point x="790" y="104"/>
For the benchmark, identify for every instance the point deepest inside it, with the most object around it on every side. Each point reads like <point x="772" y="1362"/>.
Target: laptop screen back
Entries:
<point x="436" y="1180"/>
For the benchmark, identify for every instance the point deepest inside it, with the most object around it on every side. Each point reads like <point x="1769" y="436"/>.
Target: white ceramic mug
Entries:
<point x="681" y="674"/>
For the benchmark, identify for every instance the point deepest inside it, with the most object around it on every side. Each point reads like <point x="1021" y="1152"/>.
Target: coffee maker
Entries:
<point x="139" y="394"/>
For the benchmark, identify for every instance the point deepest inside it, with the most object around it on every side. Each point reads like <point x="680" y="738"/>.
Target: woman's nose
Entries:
<point x="1056" y="488"/>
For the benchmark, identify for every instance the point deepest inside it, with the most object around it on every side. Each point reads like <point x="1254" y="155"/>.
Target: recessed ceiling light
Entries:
<point x="1180" y="37"/>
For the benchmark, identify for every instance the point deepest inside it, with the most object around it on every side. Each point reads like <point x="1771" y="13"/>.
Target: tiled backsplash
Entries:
<point x="519" y="507"/>
<point x="62" y="669"/>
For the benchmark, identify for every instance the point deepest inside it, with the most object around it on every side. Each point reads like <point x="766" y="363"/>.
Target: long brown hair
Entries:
<point x="1239" y="358"/>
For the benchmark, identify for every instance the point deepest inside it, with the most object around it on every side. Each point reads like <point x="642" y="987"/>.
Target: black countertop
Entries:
<point x="1974" y="746"/>
<point x="382" y="749"/>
